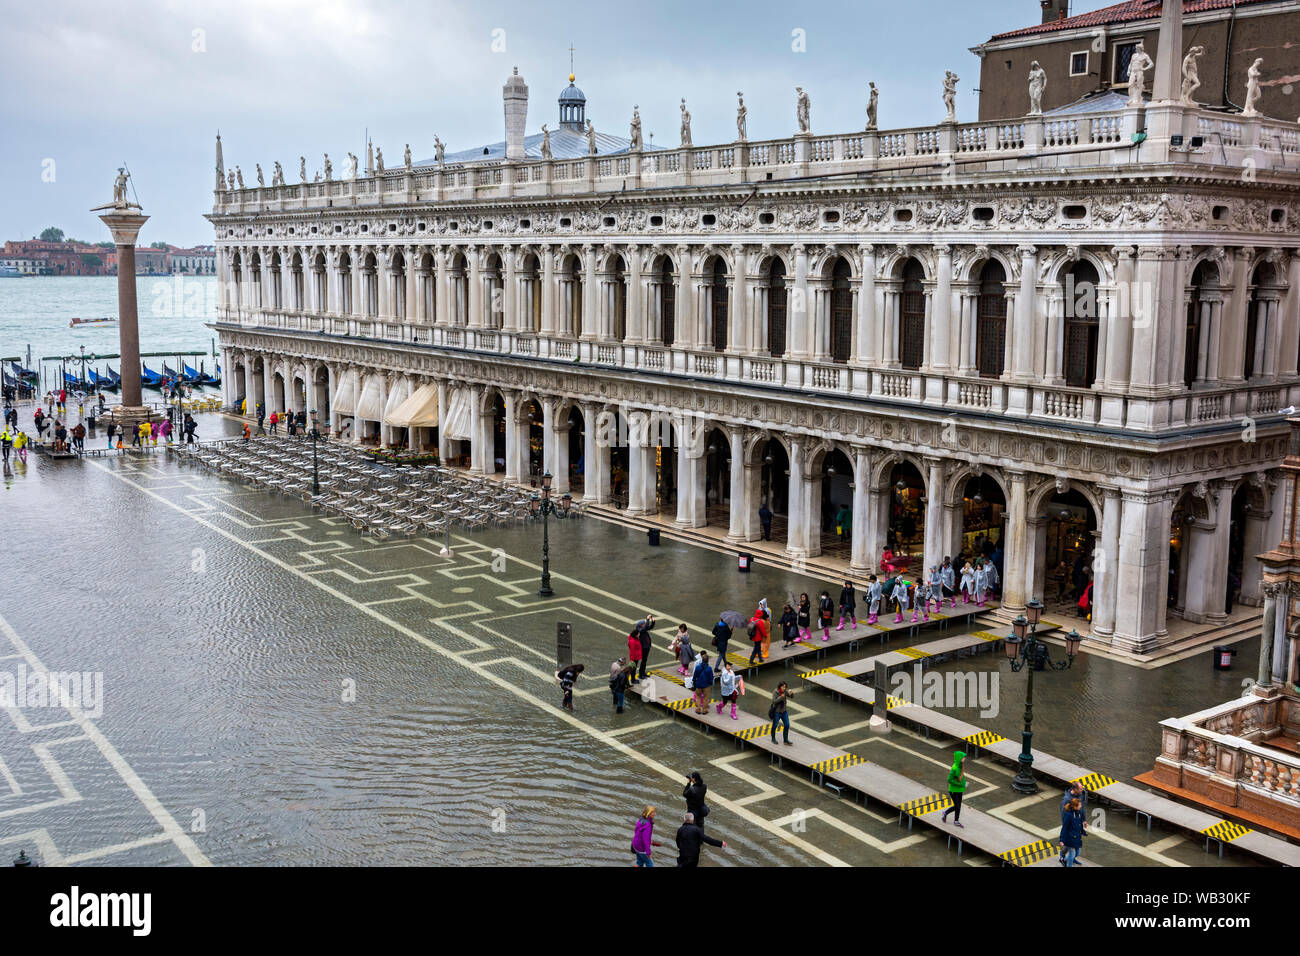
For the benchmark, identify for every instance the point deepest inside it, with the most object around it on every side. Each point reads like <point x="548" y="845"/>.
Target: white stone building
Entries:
<point x="1045" y="332"/>
<point x="196" y="261"/>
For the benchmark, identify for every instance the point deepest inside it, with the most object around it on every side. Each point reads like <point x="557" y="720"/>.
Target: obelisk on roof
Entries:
<point x="1169" y="54"/>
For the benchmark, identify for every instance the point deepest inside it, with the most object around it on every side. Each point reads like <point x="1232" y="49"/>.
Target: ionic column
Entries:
<point x="1119" y="341"/>
<point x="934" y="514"/>
<point x="635" y="330"/>
<point x="442" y="288"/>
<point x="509" y="291"/>
<point x="358" y="299"/>
<point x="1055" y="362"/>
<point x="1022" y="368"/>
<point x="737" y="315"/>
<point x="590" y="319"/>
<point x="1013" y="563"/>
<point x="867" y="319"/>
<point x="1105" y="562"/>
<point x="684" y="322"/>
<point x="475" y="304"/>
<point x="797" y="330"/>
<point x="548" y="291"/>
<point x="740" y="503"/>
<point x="941" y="318"/>
<point x="862" y="561"/>
<point x="413" y="301"/>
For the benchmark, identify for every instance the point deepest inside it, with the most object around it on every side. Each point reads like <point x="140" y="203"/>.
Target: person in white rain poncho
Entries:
<point x="981" y="583"/>
<point x="921" y="601"/>
<point x="992" y="571"/>
<point x="967" y="582"/>
<point x="875" y="591"/>
<point x="899" y="597"/>
<point x="936" y="590"/>
<point x="948" y="576"/>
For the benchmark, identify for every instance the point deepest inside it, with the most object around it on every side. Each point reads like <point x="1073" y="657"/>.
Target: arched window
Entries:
<point x="841" y="312"/>
<point x="911" y="328"/>
<point x="719" y="305"/>
<point x="776" y="298"/>
<point x="1081" y="325"/>
<point x="668" y="300"/>
<point x="991" y="321"/>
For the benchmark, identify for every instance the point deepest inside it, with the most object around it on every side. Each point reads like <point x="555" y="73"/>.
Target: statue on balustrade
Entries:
<point x="1037" y="84"/>
<point x="636" y="128"/>
<point x="1138" y="65"/>
<point x="1191" y="75"/>
<point x="379" y="161"/>
<point x="873" y="104"/>
<point x="406" y="158"/>
<point x="302" y="168"/>
<point x="329" y="168"/>
<point x="260" y="180"/>
<point x="277" y="174"/>
<point x="742" y="122"/>
<point x="686" y="124"/>
<point x="803" y="110"/>
<point x="439" y="150"/>
<point x="591" y="139"/>
<point x="950" y="80"/>
<point x="546" y="143"/>
<point x="1253" y="92"/>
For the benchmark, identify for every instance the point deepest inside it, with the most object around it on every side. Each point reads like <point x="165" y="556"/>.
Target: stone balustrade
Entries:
<point x="1076" y="140"/>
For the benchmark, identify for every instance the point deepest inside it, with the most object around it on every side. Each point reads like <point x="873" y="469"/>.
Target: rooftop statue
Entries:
<point x="439" y="149"/>
<point x="239" y="177"/>
<point x="302" y="168"/>
<point x="1137" y="74"/>
<point x="546" y="143"/>
<point x="950" y="80"/>
<point x="379" y="161"/>
<point x="329" y="168"/>
<point x="636" y="128"/>
<point x="873" y="104"/>
<point x="1191" y="75"/>
<point x="1253" y="92"/>
<point x="803" y="110"/>
<point x="742" y="121"/>
<point x="591" y="139"/>
<point x="686" y="124"/>
<point x="406" y="157"/>
<point x="260" y="180"/>
<point x="277" y="174"/>
<point x="1037" y="84"/>
<point x="352" y="165"/>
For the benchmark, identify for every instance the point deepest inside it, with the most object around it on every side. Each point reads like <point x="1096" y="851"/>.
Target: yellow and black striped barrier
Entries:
<point x="913" y="652"/>
<point x="825" y="670"/>
<point x="749" y="733"/>
<point x="984" y="738"/>
<point x="678" y="704"/>
<point x="1225" y="831"/>
<point x="669" y="676"/>
<point x="1030" y="853"/>
<point x="925" y="805"/>
<point x="989" y="636"/>
<point x="1094" y="781"/>
<point x="837" y="763"/>
<point x="892" y="702"/>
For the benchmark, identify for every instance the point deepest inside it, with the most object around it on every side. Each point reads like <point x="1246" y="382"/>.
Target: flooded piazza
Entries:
<point x="280" y="689"/>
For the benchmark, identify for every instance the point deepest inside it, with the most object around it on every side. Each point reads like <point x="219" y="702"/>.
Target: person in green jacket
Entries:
<point x="956" y="787"/>
<point x="844" y="523"/>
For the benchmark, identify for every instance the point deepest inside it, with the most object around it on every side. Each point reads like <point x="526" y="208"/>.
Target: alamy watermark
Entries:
<point x="28" y="689"/>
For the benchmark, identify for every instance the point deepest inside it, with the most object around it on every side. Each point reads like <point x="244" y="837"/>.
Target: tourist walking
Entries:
<point x="690" y="837"/>
<point x="875" y="591"/>
<point x="936" y="589"/>
<point x="789" y="627"/>
<point x="765" y="520"/>
<point x="844" y="523"/>
<point x="956" y="787"/>
<point x="275" y="420"/>
<point x="1073" y="826"/>
<point x="730" y="686"/>
<point x="247" y="433"/>
<point x="6" y="443"/>
<point x="190" y="427"/>
<point x="635" y="653"/>
<point x="618" y="681"/>
<point x="848" y="606"/>
<point x="756" y="634"/>
<point x="981" y="582"/>
<point x="685" y="652"/>
<point x="899" y="596"/>
<point x="261" y="417"/>
<point x="921" y="598"/>
<point x="825" y="613"/>
<point x="20" y="446"/>
<point x="643" y="837"/>
<point x="765" y="626"/>
<point x="112" y="433"/>
<point x="702" y="684"/>
<point x="642" y="630"/>
<point x="804" y="614"/>
<point x="166" y="429"/>
<point x="967" y="583"/>
<point x="948" y="580"/>
<point x="568" y="676"/>
<point x="777" y="712"/>
<point x="693" y="793"/>
<point x="721" y="638"/>
<point x="79" y="437"/>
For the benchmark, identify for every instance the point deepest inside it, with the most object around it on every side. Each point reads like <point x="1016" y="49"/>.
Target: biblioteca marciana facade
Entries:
<point x="1050" y="331"/>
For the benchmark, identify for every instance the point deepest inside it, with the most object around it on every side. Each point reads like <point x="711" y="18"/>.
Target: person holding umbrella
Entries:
<point x="728" y="621"/>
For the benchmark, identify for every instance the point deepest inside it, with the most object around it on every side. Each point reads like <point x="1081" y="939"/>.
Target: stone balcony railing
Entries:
<point x="1219" y="753"/>
<point x="1048" y="403"/>
<point x="1055" y="142"/>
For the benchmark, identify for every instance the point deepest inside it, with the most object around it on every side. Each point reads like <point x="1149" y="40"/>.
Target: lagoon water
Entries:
<point x="174" y="312"/>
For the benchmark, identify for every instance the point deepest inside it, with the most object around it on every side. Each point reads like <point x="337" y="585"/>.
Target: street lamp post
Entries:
<point x="1023" y="647"/>
<point x="315" y="467"/>
<point x="543" y="507"/>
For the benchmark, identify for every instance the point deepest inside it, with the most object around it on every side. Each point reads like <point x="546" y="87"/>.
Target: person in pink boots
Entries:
<point x="967" y="582"/>
<point x="804" y="615"/>
<point x="729" y="685"/>
<point x="922" y="599"/>
<point x="981" y="583"/>
<point x="948" y="577"/>
<point x="899" y="597"/>
<point x="825" y="611"/>
<point x="936" y="589"/>
<point x="875" y="590"/>
<point x="848" y="605"/>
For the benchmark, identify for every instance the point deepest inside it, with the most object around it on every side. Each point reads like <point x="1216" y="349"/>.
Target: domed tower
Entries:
<point x="515" y="94"/>
<point x="573" y="108"/>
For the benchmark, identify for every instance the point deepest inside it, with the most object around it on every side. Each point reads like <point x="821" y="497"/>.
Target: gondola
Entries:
<point x="28" y="375"/>
<point x="149" y="378"/>
<point x="213" y="380"/>
<point x="114" y="379"/>
<point x="72" y="383"/>
<point x="191" y="376"/>
<point x="98" y="381"/>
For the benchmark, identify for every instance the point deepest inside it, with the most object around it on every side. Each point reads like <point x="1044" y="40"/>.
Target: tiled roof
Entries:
<point x="1125" y="12"/>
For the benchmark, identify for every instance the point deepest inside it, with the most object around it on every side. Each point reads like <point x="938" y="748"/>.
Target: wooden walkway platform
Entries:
<point x="1214" y="828"/>
<point x="912" y="800"/>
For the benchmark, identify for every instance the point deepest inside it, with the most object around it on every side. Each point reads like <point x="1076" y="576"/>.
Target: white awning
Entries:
<point x="370" y="406"/>
<point x="418" y="411"/>
<point x="456" y="423"/>
<point x="345" y="395"/>
<point x="399" y="393"/>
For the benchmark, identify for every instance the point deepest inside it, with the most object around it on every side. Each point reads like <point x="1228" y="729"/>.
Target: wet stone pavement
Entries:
<point x="279" y="689"/>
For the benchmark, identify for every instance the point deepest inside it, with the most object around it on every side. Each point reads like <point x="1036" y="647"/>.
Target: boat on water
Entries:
<point x="113" y="378"/>
<point x="72" y="383"/>
<point x="191" y="376"/>
<point x="213" y="380"/>
<point x="14" y="370"/>
<point x="149" y="378"/>
<point x="106" y="320"/>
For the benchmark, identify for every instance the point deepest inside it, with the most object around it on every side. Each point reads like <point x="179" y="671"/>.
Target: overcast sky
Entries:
<point x="89" y="85"/>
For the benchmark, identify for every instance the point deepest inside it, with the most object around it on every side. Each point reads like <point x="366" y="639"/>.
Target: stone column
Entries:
<point x="384" y="281"/>
<point x="737" y="314"/>
<point x="548" y="291"/>
<point x="413" y="304"/>
<point x="509" y="291"/>
<point x="442" y="287"/>
<point x="684" y="321"/>
<point x="1273" y="592"/>
<point x="740" y="502"/>
<point x="549" y="408"/>
<point x="798" y="540"/>
<point x="1255" y="541"/>
<point x="1104" y="566"/>
<point x="595" y="456"/>
<point x="590" y="308"/>
<point x="861" y="561"/>
<point x="634" y="334"/>
<point x="1143" y="569"/>
<point x="475" y="283"/>
<point x="444" y="443"/>
<point x="867" y="319"/>
<point x="480" y="452"/>
<point x="516" y="438"/>
<point x="938" y="352"/>
<point x="935" y="515"/>
<point x="1022" y="359"/>
<point x="691" y="501"/>
<point x="1119" y="341"/>
<point x="125" y="226"/>
<point x="358" y="298"/>
<point x="797" y="308"/>
<point x="1014" y="584"/>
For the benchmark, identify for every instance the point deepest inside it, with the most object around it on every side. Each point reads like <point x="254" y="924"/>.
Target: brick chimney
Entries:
<point x="1054" y="10"/>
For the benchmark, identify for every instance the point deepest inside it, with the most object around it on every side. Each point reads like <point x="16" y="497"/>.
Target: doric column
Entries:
<point x="480" y="452"/>
<point x="691" y="478"/>
<point x="549" y="408"/>
<point x="935" y="514"/>
<point x="1144" y="570"/>
<point x="800" y="530"/>
<point x="862" y="561"/>
<point x="1105" y="564"/>
<point x="595" y="455"/>
<point x="740" y="503"/>
<point x="1013" y="562"/>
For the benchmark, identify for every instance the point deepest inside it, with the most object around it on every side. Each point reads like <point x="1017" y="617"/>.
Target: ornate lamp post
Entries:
<point x="315" y="466"/>
<point x="543" y="507"/>
<point x="1023" y="647"/>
